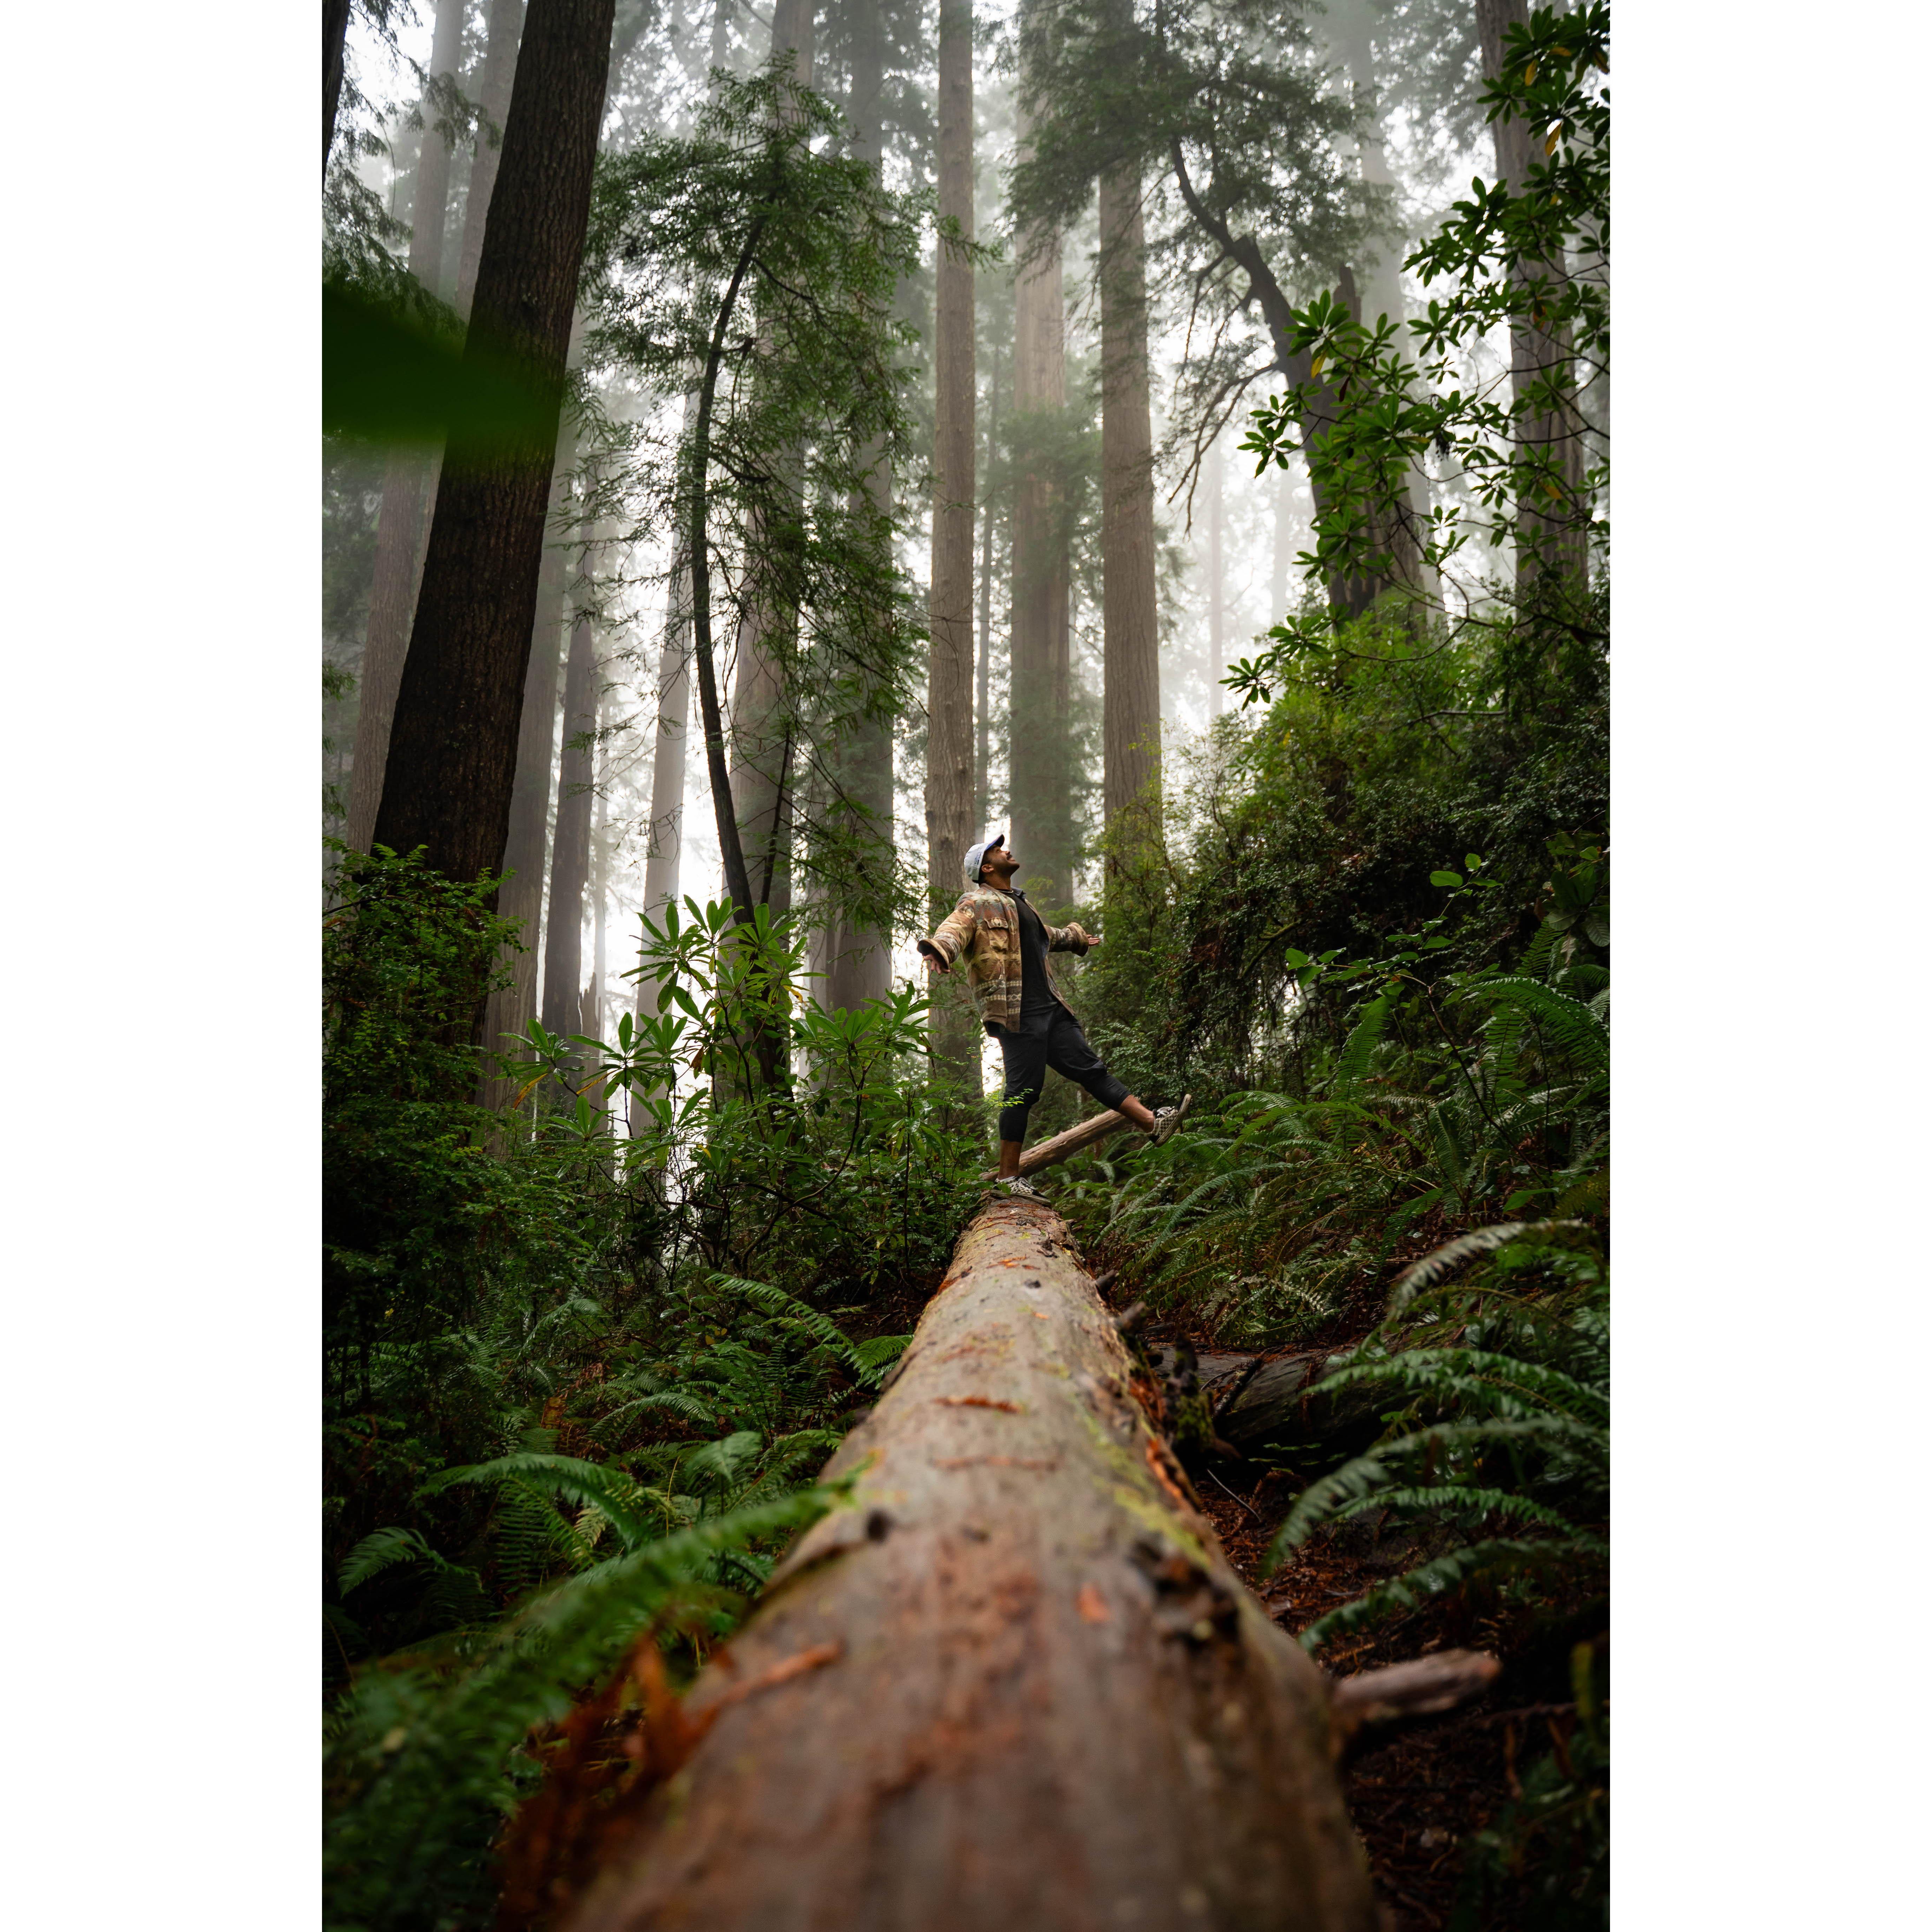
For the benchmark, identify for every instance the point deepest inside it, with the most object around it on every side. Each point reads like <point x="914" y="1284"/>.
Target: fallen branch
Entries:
<point x="1077" y="1139"/>
<point x="1422" y="1687"/>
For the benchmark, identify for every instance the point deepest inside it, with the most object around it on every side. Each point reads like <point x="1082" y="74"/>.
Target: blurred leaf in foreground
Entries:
<point x="393" y="372"/>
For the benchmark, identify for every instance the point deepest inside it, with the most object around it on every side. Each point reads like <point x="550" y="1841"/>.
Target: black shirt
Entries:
<point x="1036" y="993"/>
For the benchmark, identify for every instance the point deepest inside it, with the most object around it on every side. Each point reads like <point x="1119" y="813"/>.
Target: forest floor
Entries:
<point x="1418" y="1796"/>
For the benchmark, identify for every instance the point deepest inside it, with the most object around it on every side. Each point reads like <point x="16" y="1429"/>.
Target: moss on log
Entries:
<point x="1018" y="1687"/>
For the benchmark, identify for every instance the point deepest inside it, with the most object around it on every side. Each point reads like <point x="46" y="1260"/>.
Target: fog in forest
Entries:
<point x="1404" y="73"/>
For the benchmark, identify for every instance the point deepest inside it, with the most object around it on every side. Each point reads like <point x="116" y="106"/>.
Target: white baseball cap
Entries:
<point x="975" y="856"/>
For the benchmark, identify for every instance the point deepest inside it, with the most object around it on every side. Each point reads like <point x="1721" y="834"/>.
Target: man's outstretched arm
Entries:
<point x="1075" y="938"/>
<point x="954" y="935"/>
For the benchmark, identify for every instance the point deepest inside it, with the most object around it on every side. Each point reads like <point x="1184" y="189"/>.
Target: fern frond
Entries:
<point x="596" y="1485"/>
<point x="722" y="1461"/>
<point x="381" y="1550"/>
<point x="776" y="1301"/>
<point x="672" y="1401"/>
<point x="1467" y="1371"/>
<point x="1567" y="1024"/>
<point x="1357" y="1481"/>
<point x="875" y="1356"/>
<point x="1447" y="1499"/>
<point x="1358" y="1051"/>
<point x="1440" y="1263"/>
<point x="1496" y="1558"/>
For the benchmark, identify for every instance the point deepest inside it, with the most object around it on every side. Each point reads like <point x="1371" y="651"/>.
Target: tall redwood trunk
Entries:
<point x="1350" y="26"/>
<point x="1130" y="616"/>
<point x="854" y="955"/>
<point x="949" y="702"/>
<point x="570" y="861"/>
<point x="493" y="96"/>
<point x="527" y="850"/>
<point x="1286" y="543"/>
<point x="764" y="748"/>
<point x="1040" y="796"/>
<point x="453" y="746"/>
<point x="664" y="857"/>
<point x="1550" y="545"/>
<point x="409" y="484"/>
<point x="982" y="662"/>
<point x="334" y="35"/>
<point x="599" y="886"/>
<point x="1217" y="628"/>
<point x="1015" y="1687"/>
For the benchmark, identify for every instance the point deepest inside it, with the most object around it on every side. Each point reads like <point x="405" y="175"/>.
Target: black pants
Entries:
<point x="1050" y="1039"/>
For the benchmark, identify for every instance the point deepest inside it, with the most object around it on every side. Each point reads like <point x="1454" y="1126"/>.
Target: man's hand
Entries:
<point x="934" y="963"/>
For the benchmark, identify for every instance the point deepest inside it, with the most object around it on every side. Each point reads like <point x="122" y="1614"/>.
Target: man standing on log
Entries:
<point x="1005" y="942"/>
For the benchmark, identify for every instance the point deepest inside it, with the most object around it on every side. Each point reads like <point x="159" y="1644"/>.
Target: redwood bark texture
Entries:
<point x="409" y="485"/>
<point x="764" y="751"/>
<point x="1041" y="827"/>
<point x="334" y="34"/>
<point x="949" y="702"/>
<point x="1553" y="545"/>
<point x="1350" y="26"/>
<point x="493" y="96"/>
<point x="453" y="746"/>
<point x="854" y="955"/>
<point x="570" y="861"/>
<point x="1217" y="628"/>
<point x="527" y="851"/>
<point x="1131" y="709"/>
<point x="1026" y="1689"/>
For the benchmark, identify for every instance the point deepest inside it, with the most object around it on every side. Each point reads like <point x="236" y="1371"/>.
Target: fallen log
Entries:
<point x="1017" y="1686"/>
<point x="1283" y="1401"/>
<point x="1077" y="1138"/>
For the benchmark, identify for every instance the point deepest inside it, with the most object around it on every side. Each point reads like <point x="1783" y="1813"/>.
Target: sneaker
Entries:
<point x="1166" y="1121"/>
<point x="1022" y="1189"/>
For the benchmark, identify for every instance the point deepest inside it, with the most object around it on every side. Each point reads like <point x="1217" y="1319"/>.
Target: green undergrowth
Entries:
<point x="578" y="1383"/>
<point x="1376" y="950"/>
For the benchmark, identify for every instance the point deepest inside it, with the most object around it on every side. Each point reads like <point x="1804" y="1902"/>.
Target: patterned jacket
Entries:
<point x="984" y="929"/>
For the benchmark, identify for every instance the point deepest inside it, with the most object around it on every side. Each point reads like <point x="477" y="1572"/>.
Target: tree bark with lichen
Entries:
<point x="1016" y="1684"/>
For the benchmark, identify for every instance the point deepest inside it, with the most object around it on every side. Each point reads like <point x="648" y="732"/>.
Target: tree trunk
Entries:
<point x="452" y="752"/>
<point x="600" y="883"/>
<point x="1551" y="546"/>
<point x="334" y="36"/>
<point x="983" y="663"/>
<point x="1217" y="634"/>
<point x="1281" y="563"/>
<point x="1016" y="1685"/>
<point x="855" y="952"/>
<point x="664" y="857"/>
<point x="1130" y="616"/>
<point x="1351" y="26"/>
<point x="409" y="486"/>
<point x="570" y="864"/>
<point x="949" y="703"/>
<point x="764" y="750"/>
<point x="527" y="847"/>
<point x="1351" y="596"/>
<point x="493" y="96"/>
<point x="1038" y="807"/>
<point x="665" y="852"/>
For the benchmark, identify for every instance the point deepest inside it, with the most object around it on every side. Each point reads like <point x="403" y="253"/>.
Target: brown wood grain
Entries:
<point x="1016" y="1685"/>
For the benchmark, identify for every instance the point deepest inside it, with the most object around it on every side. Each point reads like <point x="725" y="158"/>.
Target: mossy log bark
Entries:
<point x="1018" y="1686"/>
